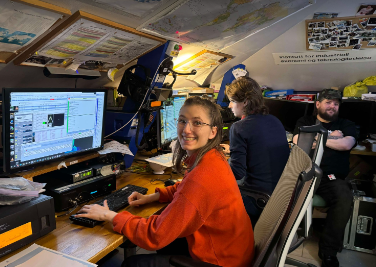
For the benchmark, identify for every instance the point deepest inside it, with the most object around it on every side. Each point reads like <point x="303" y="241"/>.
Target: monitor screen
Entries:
<point x="41" y="125"/>
<point x="169" y="117"/>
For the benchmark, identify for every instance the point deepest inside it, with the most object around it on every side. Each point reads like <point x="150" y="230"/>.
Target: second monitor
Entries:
<point x="169" y="117"/>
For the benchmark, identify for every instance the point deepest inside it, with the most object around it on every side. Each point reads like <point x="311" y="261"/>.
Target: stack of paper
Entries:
<point x="38" y="256"/>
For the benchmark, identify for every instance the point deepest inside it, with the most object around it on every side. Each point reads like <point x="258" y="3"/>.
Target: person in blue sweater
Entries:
<point x="258" y="144"/>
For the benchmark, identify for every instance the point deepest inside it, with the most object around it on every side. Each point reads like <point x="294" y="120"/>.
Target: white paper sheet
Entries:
<point x="115" y="147"/>
<point x="164" y="160"/>
<point x="20" y="24"/>
<point x="38" y="256"/>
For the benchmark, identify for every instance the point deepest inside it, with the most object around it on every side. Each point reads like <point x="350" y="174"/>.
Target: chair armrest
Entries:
<point x="260" y="197"/>
<point x="183" y="261"/>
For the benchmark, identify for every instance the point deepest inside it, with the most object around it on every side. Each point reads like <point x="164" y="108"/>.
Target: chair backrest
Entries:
<point x="306" y="138"/>
<point x="275" y="215"/>
<point x="296" y="216"/>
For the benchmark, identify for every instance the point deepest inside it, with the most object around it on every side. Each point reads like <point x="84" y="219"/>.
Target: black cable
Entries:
<point x="70" y="211"/>
<point x="161" y="180"/>
<point x="76" y="204"/>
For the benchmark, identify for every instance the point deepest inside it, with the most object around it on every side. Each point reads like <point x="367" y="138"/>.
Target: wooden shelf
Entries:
<point x="71" y="20"/>
<point x="291" y="101"/>
<point x="53" y="166"/>
<point x="366" y="152"/>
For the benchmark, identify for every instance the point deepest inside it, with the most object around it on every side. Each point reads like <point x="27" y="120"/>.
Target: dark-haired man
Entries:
<point x="335" y="166"/>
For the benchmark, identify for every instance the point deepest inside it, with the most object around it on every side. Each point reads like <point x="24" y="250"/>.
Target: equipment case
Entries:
<point x="360" y="232"/>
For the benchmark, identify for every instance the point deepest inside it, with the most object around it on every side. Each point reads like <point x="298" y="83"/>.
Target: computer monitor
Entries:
<point x="288" y="112"/>
<point x="42" y="125"/>
<point x="169" y="117"/>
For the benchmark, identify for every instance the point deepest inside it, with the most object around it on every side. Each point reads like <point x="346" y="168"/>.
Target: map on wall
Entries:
<point x="139" y="8"/>
<point x="216" y="24"/>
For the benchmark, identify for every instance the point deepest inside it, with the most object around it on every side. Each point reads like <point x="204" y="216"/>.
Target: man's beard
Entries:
<point x="326" y="116"/>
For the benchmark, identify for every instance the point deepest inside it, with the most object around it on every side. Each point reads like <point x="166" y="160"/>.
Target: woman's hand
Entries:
<point x="97" y="212"/>
<point x="136" y="199"/>
<point x="226" y="148"/>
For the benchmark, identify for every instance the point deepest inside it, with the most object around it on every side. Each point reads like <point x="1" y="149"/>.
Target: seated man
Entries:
<point x="335" y="166"/>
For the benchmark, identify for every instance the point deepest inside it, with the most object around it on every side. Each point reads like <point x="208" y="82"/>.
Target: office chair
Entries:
<point x="307" y="135"/>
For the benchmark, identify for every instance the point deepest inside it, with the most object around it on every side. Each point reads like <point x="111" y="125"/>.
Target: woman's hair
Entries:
<point x="214" y="114"/>
<point x="245" y="88"/>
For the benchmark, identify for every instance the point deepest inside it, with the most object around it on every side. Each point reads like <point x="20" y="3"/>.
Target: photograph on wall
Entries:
<point x="340" y="33"/>
<point x="366" y="9"/>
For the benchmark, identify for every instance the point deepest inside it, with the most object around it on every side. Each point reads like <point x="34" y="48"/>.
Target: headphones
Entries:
<point x="134" y="86"/>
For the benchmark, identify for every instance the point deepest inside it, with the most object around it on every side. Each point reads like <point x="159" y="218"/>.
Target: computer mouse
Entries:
<point x="169" y="182"/>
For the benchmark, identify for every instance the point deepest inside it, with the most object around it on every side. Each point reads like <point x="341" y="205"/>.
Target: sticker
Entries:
<point x="15" y="234"/>
<point x="73" y="162"/>
<point x="160" y="78"/>
<point x="331" y="177"/>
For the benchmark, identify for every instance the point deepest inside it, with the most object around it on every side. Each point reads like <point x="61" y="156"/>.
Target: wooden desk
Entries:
<point x="92" y="244"/>
<point x="367" y="152"/>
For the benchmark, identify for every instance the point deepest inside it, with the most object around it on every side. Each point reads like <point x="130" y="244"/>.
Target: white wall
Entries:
<point x="307" y="77"/>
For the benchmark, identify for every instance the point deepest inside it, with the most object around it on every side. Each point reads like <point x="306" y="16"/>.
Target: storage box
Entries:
<point x="301" y="97"/>
<point x="279" y="93"/>
<point x="360" y="233"/>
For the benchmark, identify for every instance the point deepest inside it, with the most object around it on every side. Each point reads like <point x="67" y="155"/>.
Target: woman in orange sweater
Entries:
<point x="206" y="208"/>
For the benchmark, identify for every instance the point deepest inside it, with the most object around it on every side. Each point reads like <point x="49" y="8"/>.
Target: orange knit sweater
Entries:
<point x="206" y="208"/>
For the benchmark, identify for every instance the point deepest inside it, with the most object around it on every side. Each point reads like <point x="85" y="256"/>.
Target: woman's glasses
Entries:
<point x="194" y="125"/>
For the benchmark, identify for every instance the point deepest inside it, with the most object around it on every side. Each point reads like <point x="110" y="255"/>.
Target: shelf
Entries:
<point x="285" y="100"/>
<point x="53" y="166"/>
<point x="366" y="152"/>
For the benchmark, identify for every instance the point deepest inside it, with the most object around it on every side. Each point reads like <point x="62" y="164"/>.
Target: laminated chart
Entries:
<point x="86" y="40"/>
<point x="76" y="39"/>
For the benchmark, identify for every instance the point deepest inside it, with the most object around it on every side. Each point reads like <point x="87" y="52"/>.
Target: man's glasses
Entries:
<point x="194" y="125"/>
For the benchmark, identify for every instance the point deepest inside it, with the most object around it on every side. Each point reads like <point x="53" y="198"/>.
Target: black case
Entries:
<point x="39" y="212"/>
<point x="360" y="233"/>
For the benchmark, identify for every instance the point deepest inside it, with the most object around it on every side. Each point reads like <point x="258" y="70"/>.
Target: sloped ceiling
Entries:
<point x="249" y="46"/>
<point x="105" y="11"/>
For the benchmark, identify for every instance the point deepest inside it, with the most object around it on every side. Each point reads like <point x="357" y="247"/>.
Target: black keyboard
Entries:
<point x="115" y="201"/>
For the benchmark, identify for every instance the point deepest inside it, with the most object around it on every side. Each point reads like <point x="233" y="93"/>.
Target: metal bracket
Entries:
<point x="362" y="225"/>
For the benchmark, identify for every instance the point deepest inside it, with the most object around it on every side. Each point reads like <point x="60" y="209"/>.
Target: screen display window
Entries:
<point x="169" y="118"/>
<point x="49" y="125"/>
